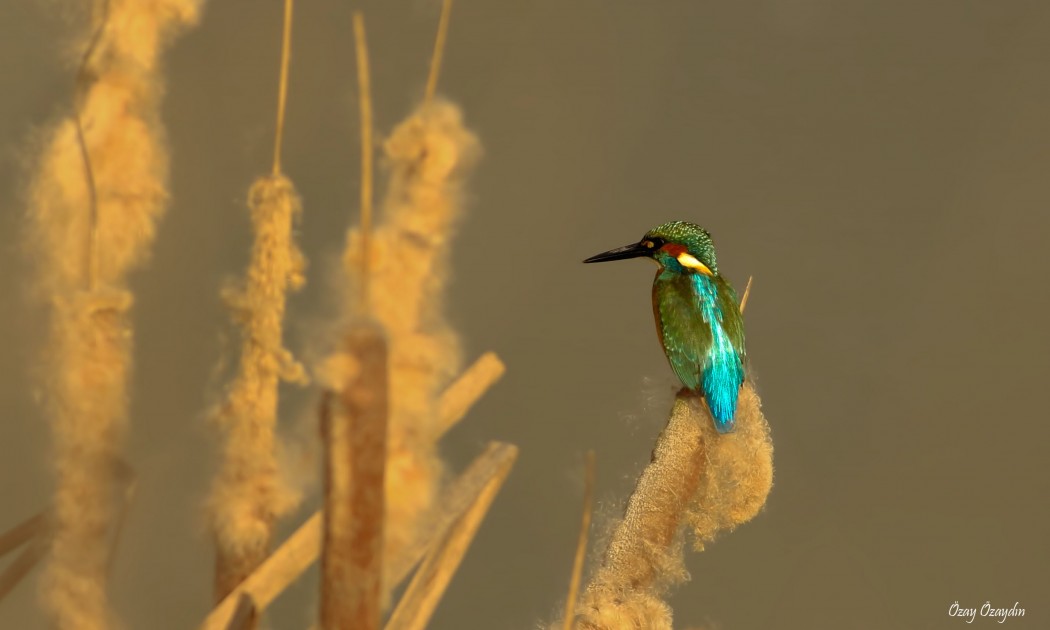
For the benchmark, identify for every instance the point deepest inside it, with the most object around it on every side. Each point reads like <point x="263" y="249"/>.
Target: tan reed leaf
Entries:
<point x="455" y="501"/>
<point x="284" y="566"/>
<point x="244" y="615"/>
<point x="433" y="576"/>
<point x="22" y="533"/>
<point x="467" y="389"/>
<point x="22" y="564"/>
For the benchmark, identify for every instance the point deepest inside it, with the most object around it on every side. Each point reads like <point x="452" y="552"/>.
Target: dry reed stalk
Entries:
<point x="455" y="501"/>
<point x="22" y="533"/>
<point x="247" y="495"/>
<point x="581" y="543"/>
<point x="430" y="581"/>
<point x="439" y="52"/>
<point x="99" y="189"/>
<point x="355" y="462"/>
<point x="22" y="565"/>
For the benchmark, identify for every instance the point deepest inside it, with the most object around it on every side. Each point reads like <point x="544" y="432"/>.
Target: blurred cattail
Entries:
<point x="429" y="156"/>
<point x="99" y="188"/>
<point x="248" y="494"/>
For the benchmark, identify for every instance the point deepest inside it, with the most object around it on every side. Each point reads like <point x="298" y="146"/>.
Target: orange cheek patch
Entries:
<point x="673" y="249"/>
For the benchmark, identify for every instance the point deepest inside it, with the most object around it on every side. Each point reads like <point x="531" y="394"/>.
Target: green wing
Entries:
<point x="685" y="336"/>
<point x="683" y="333"/>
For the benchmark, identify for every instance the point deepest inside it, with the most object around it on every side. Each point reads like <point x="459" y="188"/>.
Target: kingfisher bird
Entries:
<point x="698" y="317"/>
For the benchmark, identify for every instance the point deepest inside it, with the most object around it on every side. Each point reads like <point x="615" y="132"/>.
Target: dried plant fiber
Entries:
<point x="248" y="494"/>
<point x="91" y="221"/>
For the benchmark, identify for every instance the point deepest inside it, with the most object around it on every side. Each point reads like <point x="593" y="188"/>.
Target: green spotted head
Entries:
<point x="675" y="245"/>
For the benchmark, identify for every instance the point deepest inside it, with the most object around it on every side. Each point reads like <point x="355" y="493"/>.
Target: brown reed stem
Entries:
<point x="439" y="52"/>
<point x="432" y="578"/>
<point x="355" y="465"/>
<point x="282" y="87"/>
<point x="581" y="542"/>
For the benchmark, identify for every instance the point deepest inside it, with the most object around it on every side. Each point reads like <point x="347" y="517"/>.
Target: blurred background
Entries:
<point x="881" y="168"/>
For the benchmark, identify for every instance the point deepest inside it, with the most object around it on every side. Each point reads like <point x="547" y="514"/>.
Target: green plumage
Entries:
<point x="686" y="338"/>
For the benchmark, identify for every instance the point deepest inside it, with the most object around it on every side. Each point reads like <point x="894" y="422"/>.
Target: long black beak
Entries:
<point x="633" y="250"/>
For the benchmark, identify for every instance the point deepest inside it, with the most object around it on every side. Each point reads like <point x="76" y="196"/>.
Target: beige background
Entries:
<point x="882" y="168"/>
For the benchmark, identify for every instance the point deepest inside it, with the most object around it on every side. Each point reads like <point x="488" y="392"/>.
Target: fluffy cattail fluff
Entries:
<point x="712" y="482"/>
<point x="739" y="473"/>
<point x="428" y="156"/>
<point x="83" y="254"/>
<point x="248" y="494"/>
